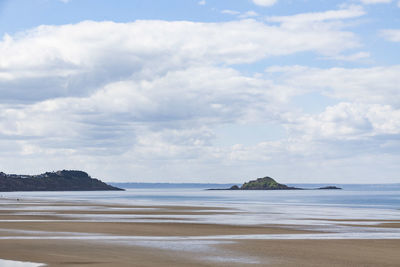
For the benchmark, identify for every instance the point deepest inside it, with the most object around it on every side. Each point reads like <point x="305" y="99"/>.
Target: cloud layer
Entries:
<point x="148" y="97"/>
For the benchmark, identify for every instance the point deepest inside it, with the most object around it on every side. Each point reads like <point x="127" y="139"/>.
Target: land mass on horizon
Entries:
<point x="268" y="183"/>
<point x="65" y="180"/>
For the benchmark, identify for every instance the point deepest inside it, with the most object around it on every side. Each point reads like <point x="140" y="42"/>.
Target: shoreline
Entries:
<point x="60" y="233"/>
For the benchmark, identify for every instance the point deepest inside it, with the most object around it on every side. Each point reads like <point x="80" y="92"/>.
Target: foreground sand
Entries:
<point x="56" y="235"/>
<point x="267" y="253"/>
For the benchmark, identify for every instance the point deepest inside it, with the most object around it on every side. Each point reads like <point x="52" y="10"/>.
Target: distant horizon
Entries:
<point x="189" y="181"/>
<point x="232" y="183"/>
<point x="184" y="181"/>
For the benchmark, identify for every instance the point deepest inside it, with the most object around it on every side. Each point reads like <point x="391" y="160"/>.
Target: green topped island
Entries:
<point x="268" y="183"/>
<point x="65" y="180"/>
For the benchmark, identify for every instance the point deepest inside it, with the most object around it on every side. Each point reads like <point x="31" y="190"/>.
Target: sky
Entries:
<point x="215" y="91"/>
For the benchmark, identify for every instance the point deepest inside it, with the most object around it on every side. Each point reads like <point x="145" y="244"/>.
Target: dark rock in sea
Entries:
<point x="329" y="188"/>
<point x="53" y="181"/>
<point x="266" y="183"/>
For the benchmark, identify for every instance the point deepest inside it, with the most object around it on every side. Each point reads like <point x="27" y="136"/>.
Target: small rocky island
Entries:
<point x="64" y="180"/>
<point x="267" y="183"/>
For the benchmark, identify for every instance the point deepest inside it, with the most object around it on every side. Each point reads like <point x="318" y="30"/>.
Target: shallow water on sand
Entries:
<point x="330" y="214"/>
<point x="361" y="196"/>
<point x="8" y="263"/>
<point x="326" y="209"/>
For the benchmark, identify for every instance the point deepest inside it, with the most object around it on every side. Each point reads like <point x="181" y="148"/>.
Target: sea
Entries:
<point x="377" y="196"/>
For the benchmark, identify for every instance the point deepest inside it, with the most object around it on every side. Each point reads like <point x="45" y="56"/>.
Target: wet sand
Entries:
<point x="322" y="252"/>
<point x="84" y="234"/>
<point x="262" y="252"/>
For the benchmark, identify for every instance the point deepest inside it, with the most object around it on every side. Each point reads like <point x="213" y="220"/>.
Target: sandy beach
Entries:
<point x="89" y="234"/>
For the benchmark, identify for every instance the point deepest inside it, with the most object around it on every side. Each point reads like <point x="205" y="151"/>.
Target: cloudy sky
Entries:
<point x="202" y="91"/>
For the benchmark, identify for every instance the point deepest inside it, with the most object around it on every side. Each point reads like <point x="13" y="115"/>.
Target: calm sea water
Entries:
<point x="382" y="196"/>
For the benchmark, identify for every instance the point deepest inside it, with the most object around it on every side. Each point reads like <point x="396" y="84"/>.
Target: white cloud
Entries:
<point x="375" y="85"/>
<point x="392" y="35"/>
<point x="74" y="60"/>
<point x="265" y="2"/>
<point x="369" y="2"/>
<point x="352" y="57"/>
<point x="132" y="105"/>
<point x="244" y="15"/>
<point x="311" y="18"/>
<point x="398" y="4"/>
<point x="248" y="14"/>
<point x="230" y="12"/>
<point x="202" y="2"/>
<point x="350" y="121"/>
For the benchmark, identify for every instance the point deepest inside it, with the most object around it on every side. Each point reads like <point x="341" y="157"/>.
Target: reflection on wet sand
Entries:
<point x="184" y="235"/>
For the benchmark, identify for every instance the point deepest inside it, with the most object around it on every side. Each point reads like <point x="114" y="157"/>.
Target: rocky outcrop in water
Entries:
<point x="329" y="188"/>
<point x="267" y="183"/>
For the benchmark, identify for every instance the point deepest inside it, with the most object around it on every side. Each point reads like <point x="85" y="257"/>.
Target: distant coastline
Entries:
<point x="65" y="180"/>
<point x="138" y="185"/>
<point x="225" y="186"/>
